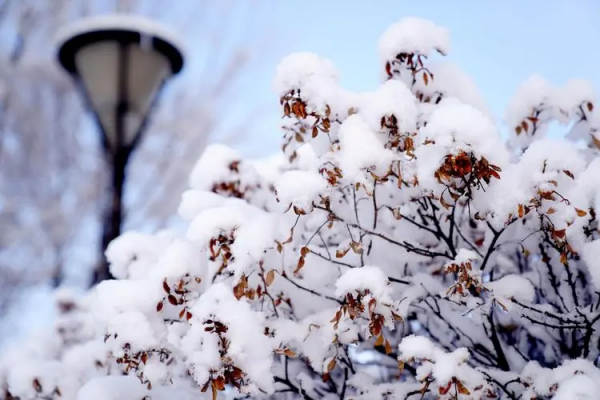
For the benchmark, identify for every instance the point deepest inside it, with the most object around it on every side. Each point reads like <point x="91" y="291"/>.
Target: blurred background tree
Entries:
<point x="52" y="174"/>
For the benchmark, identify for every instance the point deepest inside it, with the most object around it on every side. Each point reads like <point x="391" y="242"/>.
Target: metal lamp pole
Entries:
<point x="120" y="64"/>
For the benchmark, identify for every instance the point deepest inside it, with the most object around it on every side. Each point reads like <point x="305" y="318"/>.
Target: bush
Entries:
<point x="398" y="248"/>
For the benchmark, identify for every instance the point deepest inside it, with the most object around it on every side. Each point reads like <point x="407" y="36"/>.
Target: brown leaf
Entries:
<point x="356" y="247"/>
<point x="569" y="174"/>
<point x="289" y="353"/>
<point x="341" y="253"/>
<point x="298" y="138"/>
<point x="563" y="258"/>
<point x="518" y="130"/>
<point x="462" y="389"/>
<point x="521" y="211"/>
<point x="159" y="306"/>
<point x="181" y="313"/>
<point x="331" y="365"/>
<point x="144" y="358"/>
<point x="445" y="389"/>
<point x="525" y="126"/>
<point x="219" y="383"/>
<point x="188" y="316"/>
<point x="425" y="79"/>
<point x="388" y="347"/>
<point x="379" y="340"/>
<point x="37" y="385"/>
<point x="299" y="266"/>
<point x="215" y="393"/>
<point x="581" y="213"/>
<point x="315" y="132"/>
<point x="166" y="287"/>
<point x="326" y="124"/>
<point x="304" y="251"/>
<point x="270" y="277"/>
<point x="286" y="109"/>
<point x="172" y="299"/>
<point x="388" y="69"/>
<point x="590" y="106"/>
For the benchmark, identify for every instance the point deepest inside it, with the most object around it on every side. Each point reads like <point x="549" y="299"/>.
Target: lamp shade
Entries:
<point x="120" y="63"/>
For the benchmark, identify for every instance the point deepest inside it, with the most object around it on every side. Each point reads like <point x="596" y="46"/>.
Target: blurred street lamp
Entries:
<point x="119" y="63"/>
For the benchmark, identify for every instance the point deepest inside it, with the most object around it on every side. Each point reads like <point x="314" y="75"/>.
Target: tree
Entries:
<point x="398" y="249"/>
<point x="51" y="173"/>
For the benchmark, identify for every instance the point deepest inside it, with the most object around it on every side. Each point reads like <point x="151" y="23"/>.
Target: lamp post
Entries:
<point x="119" y="63"/>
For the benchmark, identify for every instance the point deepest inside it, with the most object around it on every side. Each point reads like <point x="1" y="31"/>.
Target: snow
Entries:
<point x="300" y="188"/>
<point x="128" y="388"/>
<point x="128" y="22"/>
<point x="591" y="256"/>
<point x="213" y="166"/>
<point x="262" y="283"/>
<point x="314" y="76"/>
<point x="413" y="35"/>
<point x="365" y="278"/>
<point x="392" y="98"/>
<point x="512" y="286"/>
<point x="249" y="348"/>
<point x="361" y="149"/>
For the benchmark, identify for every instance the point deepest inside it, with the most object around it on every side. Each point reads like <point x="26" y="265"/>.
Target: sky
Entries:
<point x="499" y="43"/>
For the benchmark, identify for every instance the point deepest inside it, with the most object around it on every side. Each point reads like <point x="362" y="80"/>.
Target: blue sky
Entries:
<point x="498" y="42"/>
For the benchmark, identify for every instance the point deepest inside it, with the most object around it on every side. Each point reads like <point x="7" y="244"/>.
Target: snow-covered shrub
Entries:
<point x="398" y="248"/>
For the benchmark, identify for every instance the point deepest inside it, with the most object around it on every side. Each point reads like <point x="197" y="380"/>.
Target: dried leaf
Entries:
<point x="462" y="389"/>
<point x="289" y="353"/>
<point x="159" y="306"/>
<point x="37" y="385"/>
<point x="298" y="138"/>
<point x="590" y="106"/>
<point x="219" y="383"/>
<point x="299" y="266"/>
<point x="166" y="287"/>
<point x="425" y="79"/>
<point x="388" y="347"/>
<point x="331" y="365"/>
<point x="445" y="389"/>
<point x="569" y="174"/>
<point x="340" y="253"/>
<point x="379" y="340"/>
<point x="356" y="247"/>
<point x="521" y="211"/>
<point x="581" y="213"/>
<point x="270" y="277"/>
<point x="304" y="251"/>
<point x="563" y="258"/>
<point x="172" y="299"/>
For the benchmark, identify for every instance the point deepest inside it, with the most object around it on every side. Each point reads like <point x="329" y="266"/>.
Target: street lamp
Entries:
<point x="119" y="63"/>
